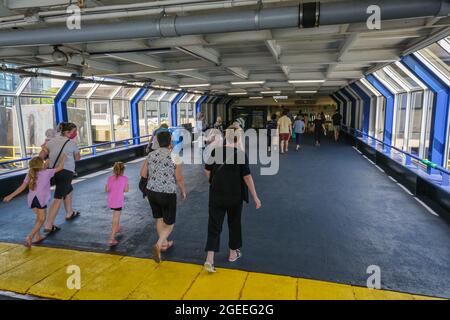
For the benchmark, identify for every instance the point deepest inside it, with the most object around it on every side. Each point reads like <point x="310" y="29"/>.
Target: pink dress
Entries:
<point x="116" y="188"/>
<point x="42" y="189"/>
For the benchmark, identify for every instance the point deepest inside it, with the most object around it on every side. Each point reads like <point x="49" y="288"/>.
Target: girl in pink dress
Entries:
<point x="116" y="186"/>
<point x="38" y="182"/>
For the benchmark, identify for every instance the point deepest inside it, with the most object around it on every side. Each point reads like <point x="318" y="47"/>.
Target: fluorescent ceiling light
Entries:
<point x="236" y="93"/>
<point x="256" y="97"/>
<point x="306" y="81"/>
<point x="270" y="92"/>
<point x="280" y="97"/>
<point x="194" y="85"/>
<point x="247" y="82"/>
<point x="307" y="91"/>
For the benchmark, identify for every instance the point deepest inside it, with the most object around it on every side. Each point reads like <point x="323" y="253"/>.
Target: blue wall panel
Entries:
<point x="389" y="114"/>
<point x="438" y="130"/>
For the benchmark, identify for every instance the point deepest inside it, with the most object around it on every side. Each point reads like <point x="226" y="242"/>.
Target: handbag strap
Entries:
<point x="59" y="154"/>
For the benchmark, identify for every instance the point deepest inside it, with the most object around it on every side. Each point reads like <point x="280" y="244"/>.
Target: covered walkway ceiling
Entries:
<point x="321" y="59"/>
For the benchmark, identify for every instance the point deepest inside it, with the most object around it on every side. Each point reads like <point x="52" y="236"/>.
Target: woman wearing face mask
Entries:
<point x="62" y="144"/>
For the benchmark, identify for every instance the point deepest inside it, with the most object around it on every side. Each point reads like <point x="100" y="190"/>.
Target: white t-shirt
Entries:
<point x="54" y="146"/>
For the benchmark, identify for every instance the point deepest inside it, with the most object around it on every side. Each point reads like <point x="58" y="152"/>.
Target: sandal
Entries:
<point x="238" y="255"/>
<point x="52" y="230"/>
<point x="113" y="243"/>
<point x="209" y="267"/>
<point x="73" y="215"/>
<point x="39" y="240"/>
<point x="156" y="254"/>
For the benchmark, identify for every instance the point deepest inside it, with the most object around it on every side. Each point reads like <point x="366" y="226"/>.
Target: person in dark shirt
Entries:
<point x="337" y="118"/>
<point x="230" y="180"/>
<point x="319" y="129"/>
<point x="271" y="125"/>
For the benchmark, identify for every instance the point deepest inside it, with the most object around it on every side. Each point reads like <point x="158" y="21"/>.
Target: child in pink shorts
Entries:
<point x="116" y="186"/>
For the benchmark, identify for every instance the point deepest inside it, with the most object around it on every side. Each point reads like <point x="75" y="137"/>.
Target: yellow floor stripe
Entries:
<point x="117" y="282"/>
<point x="226" y="284"/>
<point x="91" y="266"/>
<point x="261" y="286"/>
<point x="170" y="281"/>
<point x="42" y="272"/>
<point x="6" y="246"/>
<point x="320" y="290"/>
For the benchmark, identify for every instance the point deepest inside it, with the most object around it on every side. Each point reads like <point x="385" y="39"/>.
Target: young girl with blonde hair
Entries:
<point x="116" y="186"/>
<point x="38" y="182"/>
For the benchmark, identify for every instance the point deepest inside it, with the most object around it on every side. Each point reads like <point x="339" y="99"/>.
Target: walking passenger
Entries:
<point x="164" y="173"/>
<point x="271" y="125"/>
<point x="116" y="186"/>
<point x="285" y="130"/>
<point x="337" y="118"/>
<point x="299" y="129"/>
<point x="62" y="144"/>
<point x="319" y="129"/>
<point x="38" y="182"/>
<point x="153" y="143"/>
<point x="229" y="180"/>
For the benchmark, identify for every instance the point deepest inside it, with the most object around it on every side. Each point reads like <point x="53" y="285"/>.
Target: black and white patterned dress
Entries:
<point x="161" y="170"/>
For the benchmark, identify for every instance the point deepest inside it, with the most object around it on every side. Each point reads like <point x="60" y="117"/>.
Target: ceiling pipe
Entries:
<point x="304" y="15"/>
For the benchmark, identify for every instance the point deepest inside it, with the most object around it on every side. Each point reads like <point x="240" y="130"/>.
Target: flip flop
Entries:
<point x="39" y="241"/>
<point x="156" y="254"/>
<point x="73" y="215"/>
<point x="238" y="255"/>
<point x="209" y="267"/>
<point x="52" y="230"/>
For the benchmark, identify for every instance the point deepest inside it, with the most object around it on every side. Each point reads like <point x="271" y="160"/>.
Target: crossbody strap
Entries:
<point x="59" y="154"/>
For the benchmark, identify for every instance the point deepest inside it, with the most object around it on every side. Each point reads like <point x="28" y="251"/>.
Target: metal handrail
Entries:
<point x="424" y="161"/>
<point x="93" y="147"/>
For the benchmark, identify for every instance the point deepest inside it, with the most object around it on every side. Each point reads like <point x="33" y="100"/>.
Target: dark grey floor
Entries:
<point x="328" y="214"/>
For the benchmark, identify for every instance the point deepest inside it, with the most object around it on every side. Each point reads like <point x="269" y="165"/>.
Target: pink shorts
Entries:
<point x="284" y="136"/>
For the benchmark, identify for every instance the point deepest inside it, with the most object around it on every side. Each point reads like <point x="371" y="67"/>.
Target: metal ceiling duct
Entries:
<point x="304" y="15"/>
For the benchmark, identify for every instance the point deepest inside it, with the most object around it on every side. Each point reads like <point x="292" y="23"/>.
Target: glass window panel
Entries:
<point x="121" y="114"/>
<point x="101" y="123"/>
<point x="415" y="122"/>
<point x="9" y="133"/>
<point x="77" y="113"/>
<point x="104" y="91"/>
<point x="9" y="82"/>
<point x="82" y="90"/>
<point x="152" y="115"/>
<point x="43" y="86"/>
<point x="164" y="107"/>
<point x="381" y="74"/>
<point x="191" y="119"/>
<point x="181" y="112"/>
<point x="429" y="117"/>
<point x="126" y="93"/>
<point x="142" y="124"/>
<point x="38" y="116"/>
<point x="410" y="82"/>
<point x="400" y="120"/>
<point x="438" y="57"/>
<point x="381" y="115"/>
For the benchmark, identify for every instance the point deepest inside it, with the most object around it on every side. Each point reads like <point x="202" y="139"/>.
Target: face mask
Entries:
<point x="73" y="135"/>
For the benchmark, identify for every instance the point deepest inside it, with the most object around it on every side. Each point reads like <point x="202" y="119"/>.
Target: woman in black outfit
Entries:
<point x="319" y="128"/>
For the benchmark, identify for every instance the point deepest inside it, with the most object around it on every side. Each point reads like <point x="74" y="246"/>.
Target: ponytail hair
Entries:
<point x="118" y="169"/>
<point x="35" y="165"/>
